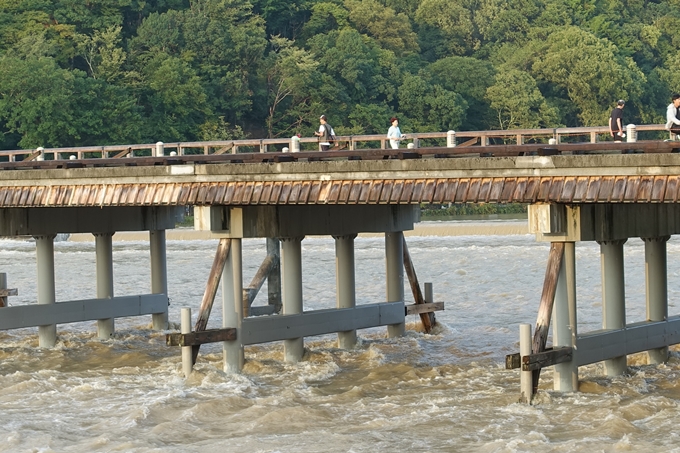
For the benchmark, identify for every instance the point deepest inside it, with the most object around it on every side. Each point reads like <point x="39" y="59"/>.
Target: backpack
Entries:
<point x="328" y="135"/>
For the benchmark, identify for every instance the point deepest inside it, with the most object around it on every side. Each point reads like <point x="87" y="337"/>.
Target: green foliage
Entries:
<point x="463" y="209"/>
<point x="100" y="72"/>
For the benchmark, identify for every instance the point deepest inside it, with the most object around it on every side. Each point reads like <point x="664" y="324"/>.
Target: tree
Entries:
<point x="390" y="30"/>
<point x="290" y="71"/>
<point x="590" y="70"/>
<point x="518" y="102"/>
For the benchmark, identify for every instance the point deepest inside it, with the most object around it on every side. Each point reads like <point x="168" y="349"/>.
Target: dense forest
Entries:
<point x="96" y="72"/>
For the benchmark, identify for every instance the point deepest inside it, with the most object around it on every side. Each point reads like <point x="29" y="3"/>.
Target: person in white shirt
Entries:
<point x="325" y="132"/>
<point x="394" y="134"/>
<point x="672" y="121"/>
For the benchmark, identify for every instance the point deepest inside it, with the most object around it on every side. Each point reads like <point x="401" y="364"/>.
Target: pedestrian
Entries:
<point x="326" y="133"/>
<point x="394" y="133"/>
<point x="672" y="121"/>
<point x="616" y="121"/>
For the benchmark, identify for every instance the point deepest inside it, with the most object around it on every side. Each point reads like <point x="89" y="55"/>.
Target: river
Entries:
<point x="445" y="392"/>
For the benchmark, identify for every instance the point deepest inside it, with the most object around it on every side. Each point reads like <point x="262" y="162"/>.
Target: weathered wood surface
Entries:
<point x="547" y="300"/>
<point x="210" y="290"/>
<point x="9" y="292"/>
<point x="547" y="358"/>
<point x="513" y="361"/>
<point x="417" y="309"/>
<point x="199" y="338"/>
<point x="427" y="318"/>
<point x="250" y="292"/>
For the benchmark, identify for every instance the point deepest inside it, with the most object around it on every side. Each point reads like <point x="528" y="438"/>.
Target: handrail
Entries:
<point x="463" y="138"/>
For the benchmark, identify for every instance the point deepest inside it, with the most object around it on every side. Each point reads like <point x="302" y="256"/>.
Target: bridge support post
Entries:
<point x="525" y="377"/>
<point x="564" y="320"/>
<point x="159" y="275"/>
<point x="104" y="271"/>
<point x="47" y="335"/>
<point x="345" y="284"/>
<point x="613" y="297"/>
<point x="291" y="267"/>
<point x="232" y="307"/>
<point x="185" y="327"/>
<point x="656" y="282"/>
<point x="274" y="277"/>
<point x="394" y="260"/>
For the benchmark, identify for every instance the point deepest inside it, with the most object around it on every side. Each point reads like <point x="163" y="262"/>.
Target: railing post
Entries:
<point x="160" y="151"/>
<point x="295" y="144"/>
<point x="451" y="139"/>
<point x="631" y="133"/>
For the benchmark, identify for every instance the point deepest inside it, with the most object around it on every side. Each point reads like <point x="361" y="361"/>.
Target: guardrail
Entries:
<point x="347" y="142"/>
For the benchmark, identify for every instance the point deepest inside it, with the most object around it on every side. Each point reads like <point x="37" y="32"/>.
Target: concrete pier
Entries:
<point x="613" y="297"/>
<point x="159" y="274"/>
<point x="656" y="285"/>
<point x="394" y="263"/>
<point x="291" y="273"/>
<point x="104" y="264"/>
<point x="46" y="288"/>
<point x="565" y="320"/>
<point x="345" y="284"/>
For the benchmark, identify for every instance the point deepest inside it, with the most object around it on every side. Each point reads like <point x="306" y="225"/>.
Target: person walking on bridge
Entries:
<point x="672" y="121"/>
<point x="326" y="133"/>
<point x="616" y="121"/>
<point x="394" y="133"/>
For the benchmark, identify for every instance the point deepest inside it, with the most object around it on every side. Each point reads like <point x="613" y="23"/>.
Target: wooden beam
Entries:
<point x="9" y="292"/>
<point x="417" y="309"/>
<point x="426" y="318"/>
<point x="472" y="141"/>
<point x="250" y="292"/>
<point x="513" y="361"/>
<point x="199" y="338"/>
<point x="224" y="149"/>
<point x="123" y="153"/>
<point x="546" y="358"/>
<point x="547" y="300"/>
<point x="549" y="357"/>
<point x="210" y="290"/>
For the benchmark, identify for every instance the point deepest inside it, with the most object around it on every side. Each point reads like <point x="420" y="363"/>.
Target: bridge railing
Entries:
<point x="351" y="142"/>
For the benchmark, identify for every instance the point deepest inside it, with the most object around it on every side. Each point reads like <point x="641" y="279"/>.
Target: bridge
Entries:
<point x="582" y="191"/>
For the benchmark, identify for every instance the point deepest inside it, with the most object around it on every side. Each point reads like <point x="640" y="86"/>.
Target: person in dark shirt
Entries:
<point x="616" y="121"/>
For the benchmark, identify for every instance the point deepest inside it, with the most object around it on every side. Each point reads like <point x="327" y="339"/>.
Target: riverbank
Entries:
<point x="427" y="228"/>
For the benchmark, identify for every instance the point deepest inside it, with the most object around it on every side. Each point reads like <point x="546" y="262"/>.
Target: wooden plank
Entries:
<point x="426" y="318"/>
<point x="210" y="290"/>
<point x="547" y="300"/>
<point x="250" y="292"/>
<point x="546" y="358"/>
<point x="417" y="309"/>
<point x="123" y="153"/>
<point x="513" y="361"/>
<point x="199" y="338"/>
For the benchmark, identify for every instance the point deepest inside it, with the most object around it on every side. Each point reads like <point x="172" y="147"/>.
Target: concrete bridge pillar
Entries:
<point x="47" y="335"/>
<point x="564" y="320"/>
<point x="232" y="307"/>
<point x="656" y="280"/>
<point x="345" y="284"/>
<point x="394" y="260"/>
<point x="613" y="297"/>
<point x="159" y="274"/>
<point x="291" y="270"/>
<point x="104" y="270"/>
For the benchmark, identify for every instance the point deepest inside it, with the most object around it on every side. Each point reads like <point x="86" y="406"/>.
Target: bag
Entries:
<point x="329" y="136"/>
